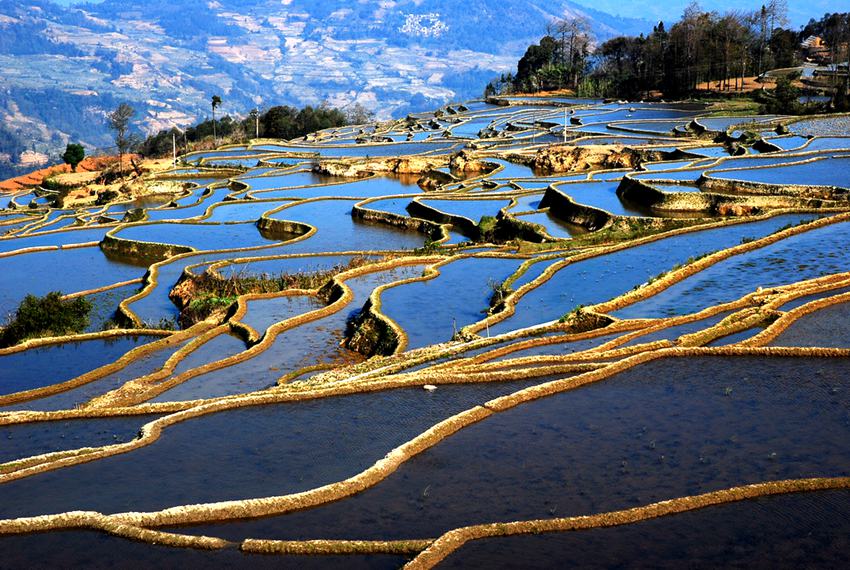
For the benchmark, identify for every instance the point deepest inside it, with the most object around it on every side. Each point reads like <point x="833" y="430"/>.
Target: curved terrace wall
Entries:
<point x="565" y="208"/>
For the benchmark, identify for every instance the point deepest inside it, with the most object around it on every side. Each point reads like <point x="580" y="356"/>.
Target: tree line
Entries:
<point x="700" y="48"/>
<point x="278" y="122"/>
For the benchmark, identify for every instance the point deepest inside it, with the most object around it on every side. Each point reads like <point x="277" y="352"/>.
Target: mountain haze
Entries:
<point x="66" y="66"/>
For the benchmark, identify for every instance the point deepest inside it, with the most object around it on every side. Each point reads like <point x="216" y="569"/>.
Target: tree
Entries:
<point x="536" y="58"/>
<point x="358" y="115"/>
<point x="119" y="121"/>
<point x="785" y="97"/>
<point x="74" y="155"/>
<point x="254" y="119"/>
<point x="216" y="102"/>
<point x="574" y="39"/>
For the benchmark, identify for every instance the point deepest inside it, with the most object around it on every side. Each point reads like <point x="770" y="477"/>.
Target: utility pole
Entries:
<point x="174" y="146"/>
<point x="257" y="119"/>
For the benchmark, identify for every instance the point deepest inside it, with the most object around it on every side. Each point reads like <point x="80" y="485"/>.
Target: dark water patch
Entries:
<point x="68" y="271"/>
<point x="828" y="327"/>
<point x="249" y="452"/>
<point x="143" y="366"/>
<point x="797" y="258"/>
<point x="217" y="348"/>
<point x="601" y="278"/>
<point x="199" y="236"/>
<point x="105" y="304"/>
<point x="800" y="301"/>
<point x="431" y="311"/>
<point x="81" y="549"/>
<point x="56" y="363"/>
<point x="244" y="211"/>
<point x="263" y="313"/>
<point x="338" y="231"/>
<point x="825" y="172"/>
<point x="53" y="239"/>
<point x="26" y="440"/>
<point x="666" y="429"/>
<point x="806" y="530"/>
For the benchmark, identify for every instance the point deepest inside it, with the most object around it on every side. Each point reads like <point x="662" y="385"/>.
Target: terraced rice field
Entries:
<point x="316" y="363"/>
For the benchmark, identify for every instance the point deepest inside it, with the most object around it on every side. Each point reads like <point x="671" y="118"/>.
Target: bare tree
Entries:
<point x="574" y="39"/>
<point x="119" y="121"/>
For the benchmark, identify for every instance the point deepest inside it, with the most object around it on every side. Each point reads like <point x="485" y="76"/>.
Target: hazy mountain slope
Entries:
<point x="65" y="67"/>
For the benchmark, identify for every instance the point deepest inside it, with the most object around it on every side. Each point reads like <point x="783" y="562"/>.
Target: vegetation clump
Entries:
<point x="74" y="155"/>
<point x="51" y="315"/>
<point x="500" y="293"/>
<point x="202" y="296"/>
<point x="279" y="122"/>
<point x="704" y="52"/>
<point x="487" y="229"/>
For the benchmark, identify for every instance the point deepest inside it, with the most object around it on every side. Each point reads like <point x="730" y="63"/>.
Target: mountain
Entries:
<point x="66" y="66"/>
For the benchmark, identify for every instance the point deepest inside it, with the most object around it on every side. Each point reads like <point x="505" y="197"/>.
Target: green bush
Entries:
<point x="50" y="315"/>
<point x="105" y="197"/>
<point x="74" y="155"/>
<point x="487" y="228"/>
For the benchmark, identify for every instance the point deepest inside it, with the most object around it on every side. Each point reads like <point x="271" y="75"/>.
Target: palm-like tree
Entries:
<point x="216" y="102"/>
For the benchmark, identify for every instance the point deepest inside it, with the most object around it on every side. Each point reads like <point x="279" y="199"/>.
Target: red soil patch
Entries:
<point x="92" y="163"/>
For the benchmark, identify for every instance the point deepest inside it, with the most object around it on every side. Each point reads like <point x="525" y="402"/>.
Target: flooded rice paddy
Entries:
<point x="328" y="359"/>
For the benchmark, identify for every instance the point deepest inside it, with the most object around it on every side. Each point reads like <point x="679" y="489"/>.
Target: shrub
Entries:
<point x="105" y="197"/>
<point x="50" y="315"/>
<point x="487" y="228"/>
<point x="74" y="155"/>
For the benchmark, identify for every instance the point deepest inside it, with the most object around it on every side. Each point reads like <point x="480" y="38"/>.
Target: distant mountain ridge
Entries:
<point x="65" y="67"/>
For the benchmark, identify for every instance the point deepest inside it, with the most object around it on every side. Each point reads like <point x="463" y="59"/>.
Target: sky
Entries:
<point x="799" y="11"/>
